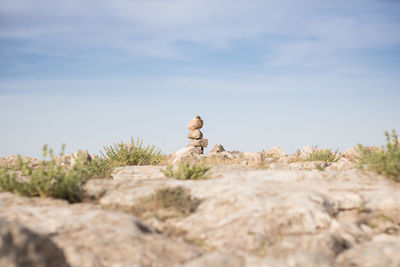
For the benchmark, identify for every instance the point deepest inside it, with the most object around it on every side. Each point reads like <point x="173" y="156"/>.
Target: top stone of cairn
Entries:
<point x="195" y="123"/>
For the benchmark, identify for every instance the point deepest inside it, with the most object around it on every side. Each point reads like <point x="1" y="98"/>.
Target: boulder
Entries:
<point x="218" y="148"/>
<point x="198" y="143"/>
<point x="276" y="217"/>
<point x="20" y="246"/>
<point x="190" y="153"/>
<point x="352" y="154"/>
<point x="88" y="235"/>
<point x="195" y="134"/>
<point x="195" y="123"/>
<point x="70" y="160"/>
<point x="251" y="158"/>
<point x="10" y="161"/>
<point x="305" y="151"/>
<point x="382" y="250"/>
<point x="342" y="164"/>
<point x="216" y="259"/>
<point x="275" y="152"/>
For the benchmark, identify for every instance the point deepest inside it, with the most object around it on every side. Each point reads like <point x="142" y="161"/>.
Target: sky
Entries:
<point x="260" y="73"/>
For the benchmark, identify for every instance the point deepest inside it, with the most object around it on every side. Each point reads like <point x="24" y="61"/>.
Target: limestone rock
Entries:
<point x="92" y="236"/>
<point x="218" y="148"/>
<point x="216" y="259"/>
<point x="195" y="123"/>
<point x="383" y="250"/>
<point x="190" y="153"/>
<point x="20" y="246"/>
<point x="9" y="161"/>
<point x="306" y="151"/>
<point x="276" y="217"/>
<point x="276" y="152"/>
<point x="195" y="134"/>
<point x="263" y="217"/>
<point x="71" y="160"/>
<point x="251" y="158"/>
<point x="351" y="154"/>
<point x="198" y="143"/>
<point x="224" y="157"/>
<point x="342" y="164"/>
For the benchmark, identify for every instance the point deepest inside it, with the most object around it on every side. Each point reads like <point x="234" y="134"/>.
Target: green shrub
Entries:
<point x="322" y="155"/>
<point x="187" y="171"/>
<point x="132" y="154"/>
<point x="385" y="161"/>
<point x="51" y="178"/>
<point x="98" y="168"/>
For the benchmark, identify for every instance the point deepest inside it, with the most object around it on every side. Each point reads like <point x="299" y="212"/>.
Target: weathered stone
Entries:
<point x="276" y="152"/>
<point x="195" y="123"/>
<point x="9" y="161"/>
<point x="20" y="246"/>
<point x="92" y="236"/>
<point x="352" y="153"/>
<point x="195" y="134"/>
<point x="71" y="160"/>
<point x="275" y="218"/>
<point x="198" y="143"/>
<point x="306" y="151"/>
<point x="342" y="164"/>
<point x="189" y="153"/>
<point x="382" y="250"/>
<point x="216" y="259"/>
<point x="251" y="158"/>
<point x="294" y="216"/>
<point x="218" y="148"/>
<point x="224" y="157"/>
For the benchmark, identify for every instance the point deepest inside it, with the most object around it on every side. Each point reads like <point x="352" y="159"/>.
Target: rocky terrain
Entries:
<point x="255" y="209"/>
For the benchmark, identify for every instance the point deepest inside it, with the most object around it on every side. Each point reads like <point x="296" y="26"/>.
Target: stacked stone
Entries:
<point x="195" y="135"/>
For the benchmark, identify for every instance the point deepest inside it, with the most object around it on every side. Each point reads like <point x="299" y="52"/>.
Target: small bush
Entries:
<point x="322" y="155"/>
<point x="167" y="203"/>
<point x="132" y="154"/>
<point x="50" y="178"/>
<point x="187" y="171"/>
<point x="385" y="161"/>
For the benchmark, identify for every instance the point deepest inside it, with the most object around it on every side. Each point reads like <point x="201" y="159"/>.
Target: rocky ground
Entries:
<point x="256" y="209"/>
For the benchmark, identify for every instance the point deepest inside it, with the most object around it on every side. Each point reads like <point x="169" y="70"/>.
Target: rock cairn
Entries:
<point x="195" y="135"/>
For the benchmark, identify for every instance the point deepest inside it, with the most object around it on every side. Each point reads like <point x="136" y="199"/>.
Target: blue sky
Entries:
<point x="260" y="73"/>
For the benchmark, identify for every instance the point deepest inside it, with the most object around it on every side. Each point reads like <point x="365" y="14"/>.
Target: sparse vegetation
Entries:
<point x="133" y="153"/>
<point x="187" y="171"/>
<point x="57" y="178"/>
<point x="167" y="203"/>
<point x="51" y="178"/>
<point x="319" y="167"/>
<point x="325" y="155"/>
<point x="385" y="161"/>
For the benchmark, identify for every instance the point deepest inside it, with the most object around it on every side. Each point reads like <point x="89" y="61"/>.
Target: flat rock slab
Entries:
<point x="91" y="236"/>
<point x="274" y="216"/>
<point x="248" y="217"/>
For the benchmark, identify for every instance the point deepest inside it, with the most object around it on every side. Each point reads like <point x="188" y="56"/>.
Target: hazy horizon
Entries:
<point x="259" y="73"/>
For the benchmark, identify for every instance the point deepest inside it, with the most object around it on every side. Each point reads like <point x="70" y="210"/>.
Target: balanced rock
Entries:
<point x="195" y="134"/>
<point x="218" y="148"/>
<point x="198" y="143"/>
<point x="195" y="123"/>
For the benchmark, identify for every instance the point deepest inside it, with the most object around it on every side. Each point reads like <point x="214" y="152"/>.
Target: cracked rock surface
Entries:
<point x="247" y="217"/>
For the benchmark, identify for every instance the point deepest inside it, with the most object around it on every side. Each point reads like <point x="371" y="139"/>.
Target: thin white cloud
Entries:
<point x="305" y="29"/>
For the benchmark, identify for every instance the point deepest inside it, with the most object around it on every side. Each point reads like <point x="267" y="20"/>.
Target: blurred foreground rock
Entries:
<point x="275" y="217"/>
<point x="20" y="246"/>
<point x="260" y="209"/>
